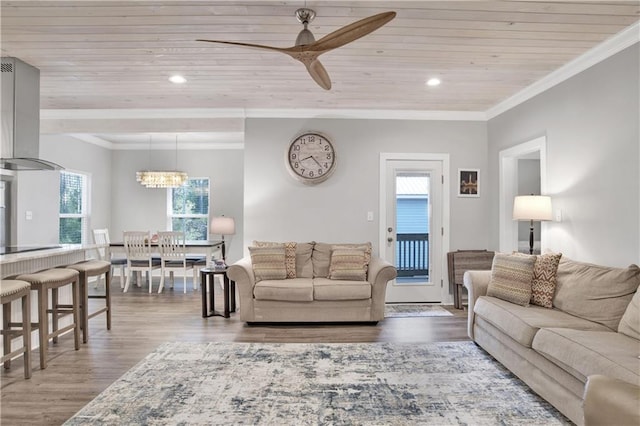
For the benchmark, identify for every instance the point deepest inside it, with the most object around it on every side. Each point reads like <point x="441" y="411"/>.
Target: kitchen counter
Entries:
<point x="37" y="260"/>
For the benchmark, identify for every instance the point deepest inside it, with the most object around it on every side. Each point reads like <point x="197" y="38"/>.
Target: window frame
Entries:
<point x="85" y="215"/>
<point x="171" y="215"/>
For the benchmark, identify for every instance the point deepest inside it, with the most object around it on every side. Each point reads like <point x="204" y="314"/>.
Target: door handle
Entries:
<point x="390" y="239"/>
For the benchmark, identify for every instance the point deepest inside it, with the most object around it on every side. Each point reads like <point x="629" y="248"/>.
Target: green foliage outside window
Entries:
<point x="72" y="191"/>
<point x="190" y="209"/>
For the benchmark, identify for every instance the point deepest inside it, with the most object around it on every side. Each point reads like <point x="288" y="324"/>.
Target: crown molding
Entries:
<point x="364" y="114"/>
<point x="625" y="38"/>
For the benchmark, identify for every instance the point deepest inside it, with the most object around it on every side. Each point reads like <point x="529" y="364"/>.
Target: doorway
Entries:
<point x="412" y="225"/>
<point x="512" y="172"/>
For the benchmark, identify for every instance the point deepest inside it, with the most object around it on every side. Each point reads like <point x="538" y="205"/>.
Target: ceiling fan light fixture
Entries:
<point x="433" y="82"/>
<point x="177" y="79"/>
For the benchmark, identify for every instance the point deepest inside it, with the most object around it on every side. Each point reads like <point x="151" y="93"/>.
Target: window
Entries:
<point x="74" y="212"/>
<point x="188" y="209"/>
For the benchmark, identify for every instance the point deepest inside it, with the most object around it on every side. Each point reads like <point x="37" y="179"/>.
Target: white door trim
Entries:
<point x="508" y="163"/>
<point x="382" y="208"/>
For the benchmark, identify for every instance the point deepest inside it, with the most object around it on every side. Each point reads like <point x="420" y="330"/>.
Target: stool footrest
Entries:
<point x="98" y="312"/>
<point x="9" y="356"/>
<point x="62" y="330"/>
<point x="12" y="333"/>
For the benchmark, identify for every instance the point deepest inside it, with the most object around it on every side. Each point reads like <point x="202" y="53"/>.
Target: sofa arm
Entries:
<point x="242" y="273"/>
<point x="476" y="283"/>
<point x="609" y="401"/>
<point x="379" y="274"/>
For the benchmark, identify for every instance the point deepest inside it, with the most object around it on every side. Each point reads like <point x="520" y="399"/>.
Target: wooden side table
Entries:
<point x="207" y="277"/>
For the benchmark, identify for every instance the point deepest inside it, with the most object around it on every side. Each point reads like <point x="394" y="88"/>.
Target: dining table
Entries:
<point x="205" y="248"/>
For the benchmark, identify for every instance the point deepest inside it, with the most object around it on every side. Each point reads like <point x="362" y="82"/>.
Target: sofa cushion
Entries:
<point x="321" y="256"/>
<point x="327" y="289"/>
<point x="348" y="264"/>
<point x="511" y="278"/>
<point x="630" y="322"/>
<point x="304" y="266"/>
<point x="597" y="293"/>
<point x="522" y="323"/>
<point x="545" y="273"/>
<point x="289" y="254"/>
<point x="583" y="353"/>
<point x="292" y="290"/>
<point x="268" y="262"/>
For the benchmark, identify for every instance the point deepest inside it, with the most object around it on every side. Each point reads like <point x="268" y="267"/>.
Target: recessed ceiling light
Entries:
<point x="433" y="82"/>
<point x="177" y="79"/>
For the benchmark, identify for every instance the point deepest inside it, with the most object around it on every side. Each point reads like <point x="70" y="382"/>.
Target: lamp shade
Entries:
<point x="532" y="207"/>
<point x="223" y="226"/>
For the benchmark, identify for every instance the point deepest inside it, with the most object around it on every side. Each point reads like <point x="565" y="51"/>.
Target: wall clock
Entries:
<point x="311" y="158"/>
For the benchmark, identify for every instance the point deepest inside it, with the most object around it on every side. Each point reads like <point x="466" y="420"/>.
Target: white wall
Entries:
<point x="591" y="123"/>
<point x="279" y="208"/>
<point x="39" y="191"/>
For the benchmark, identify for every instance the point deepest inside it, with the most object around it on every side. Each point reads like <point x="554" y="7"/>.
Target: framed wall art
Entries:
<point x="468" y="182"/>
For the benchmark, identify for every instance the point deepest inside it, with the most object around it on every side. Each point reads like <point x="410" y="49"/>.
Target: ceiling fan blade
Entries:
<point x="258" y="46"/>
<point x="319" y="74"/>
<point x="351" y="32"/>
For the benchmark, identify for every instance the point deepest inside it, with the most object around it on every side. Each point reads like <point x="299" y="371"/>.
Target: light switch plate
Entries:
<point x="370" y="216"/>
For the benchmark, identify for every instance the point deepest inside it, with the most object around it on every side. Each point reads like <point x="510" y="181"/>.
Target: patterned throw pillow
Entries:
<point x="512" y="278"/>
<point x="268" y="263"/>
<point x="348" y="264"/>
<point x="290" y="254"/>
<point x="545" y="272"/>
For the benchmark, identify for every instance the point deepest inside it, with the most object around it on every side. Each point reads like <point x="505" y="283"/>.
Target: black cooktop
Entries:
<point x="22" y="249"/>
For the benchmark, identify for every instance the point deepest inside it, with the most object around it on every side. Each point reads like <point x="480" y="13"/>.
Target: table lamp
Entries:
<point x="532" y="207"/>
<point x="223" y="226"/>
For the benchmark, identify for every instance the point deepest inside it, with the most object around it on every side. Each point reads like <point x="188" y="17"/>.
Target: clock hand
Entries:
<point x="304" y="159"/>
<point x="314" y="159"/>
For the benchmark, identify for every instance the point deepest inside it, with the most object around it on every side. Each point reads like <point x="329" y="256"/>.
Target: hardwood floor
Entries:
<point x="142" y="321"/>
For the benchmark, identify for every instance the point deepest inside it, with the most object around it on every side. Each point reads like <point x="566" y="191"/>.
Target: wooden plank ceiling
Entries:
<point x="119" y="54"/>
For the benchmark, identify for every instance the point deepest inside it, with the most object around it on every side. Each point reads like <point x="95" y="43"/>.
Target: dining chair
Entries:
<point x="137" y="246"/>
<point x="173" y="255"/>
<point x="101" y="238"/>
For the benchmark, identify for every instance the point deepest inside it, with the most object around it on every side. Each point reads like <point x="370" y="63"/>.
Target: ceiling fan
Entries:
<point x="307" y="49"/>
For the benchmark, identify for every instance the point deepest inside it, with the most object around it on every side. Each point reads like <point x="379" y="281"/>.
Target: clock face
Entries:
<point x="311" y="158"/>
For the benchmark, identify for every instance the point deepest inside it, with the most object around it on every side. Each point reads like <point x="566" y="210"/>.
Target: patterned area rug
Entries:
<point x="318" y="384"/>
<point x="403" y="310"/>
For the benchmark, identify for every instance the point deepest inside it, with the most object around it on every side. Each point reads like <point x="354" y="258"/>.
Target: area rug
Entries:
<point x="403" y="310"/>
<point x="184" y="383"/>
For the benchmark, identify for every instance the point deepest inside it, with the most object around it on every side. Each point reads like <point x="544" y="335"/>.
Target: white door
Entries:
<point x="412" y="234"/>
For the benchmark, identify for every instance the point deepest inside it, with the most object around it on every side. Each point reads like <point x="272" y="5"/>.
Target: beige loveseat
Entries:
<point x="312" y="296"/>
<point x="592" y="330"/>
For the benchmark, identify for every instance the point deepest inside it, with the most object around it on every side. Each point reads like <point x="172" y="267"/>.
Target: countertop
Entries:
<point x="39" y="254"/>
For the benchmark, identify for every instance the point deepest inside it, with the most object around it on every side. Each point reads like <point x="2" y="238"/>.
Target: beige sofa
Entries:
<point x="312" y="296"/>
<point x="591" y="331"/>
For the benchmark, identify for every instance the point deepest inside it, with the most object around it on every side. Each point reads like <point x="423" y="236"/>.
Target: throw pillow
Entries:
<point x="268" y="263"/>
<point x="511" y="278"/>
<point x="348" y="264"/>
<point x="545" y="272"/>
<point x="289" y="251"/>
<point x="321" y="256"/>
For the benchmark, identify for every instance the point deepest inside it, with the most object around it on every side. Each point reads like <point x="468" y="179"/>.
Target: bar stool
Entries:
<point x="11" y="290"/>
<point x="86" y="269"/>
<point x="54" y="279"/>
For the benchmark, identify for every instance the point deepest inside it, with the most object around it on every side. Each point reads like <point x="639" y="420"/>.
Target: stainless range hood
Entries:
<point x="21" y="117"/>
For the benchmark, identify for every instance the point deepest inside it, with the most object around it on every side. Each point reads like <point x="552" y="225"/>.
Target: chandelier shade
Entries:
<point x="162" y="178"/>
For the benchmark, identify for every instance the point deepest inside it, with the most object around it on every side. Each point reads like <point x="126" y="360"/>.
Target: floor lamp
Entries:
<point x="223" y="226"/>
<point x="532" y="207"/>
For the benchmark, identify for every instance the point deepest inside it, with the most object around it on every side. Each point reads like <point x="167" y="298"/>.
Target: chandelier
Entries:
<point x="162" y="179"/>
